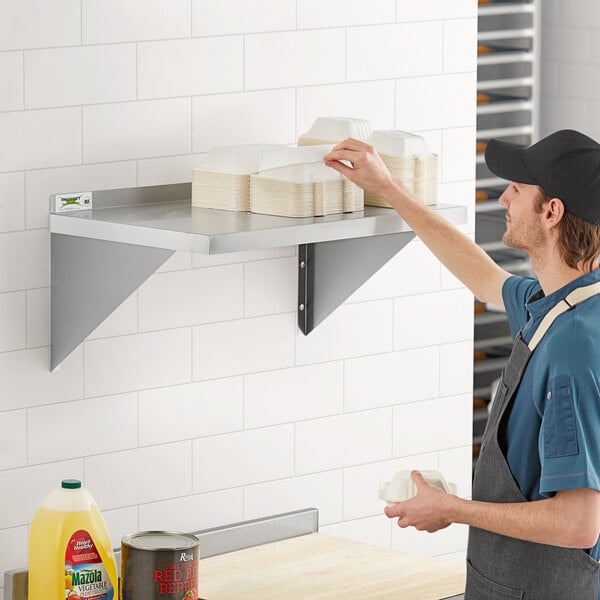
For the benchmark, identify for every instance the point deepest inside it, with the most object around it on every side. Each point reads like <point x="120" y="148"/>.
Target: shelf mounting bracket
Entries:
<point x="330" y="272"/>
<point x="90" y="279"/>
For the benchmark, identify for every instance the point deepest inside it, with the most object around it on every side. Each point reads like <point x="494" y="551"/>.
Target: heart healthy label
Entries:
<point x="85" y="574"/>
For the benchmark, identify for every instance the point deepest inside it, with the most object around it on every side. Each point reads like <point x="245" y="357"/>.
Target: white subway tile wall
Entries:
<point x="198" y="402"/>
<point x="344" y="440"/>
<point x="570" y="53"/>
<point x="13" y="324"/>
<point x="13" y="439"/>
<point x="12" y="201"/>
<point x="16" y="539"/>
<point x="121" y="521"/>
<point x="231" y="16"/>
<point x="323" y="491"/>
<point x="370" y="100"/>
<point x="388" y="51"/>
<point x="114" y="414"/>
<point x="252" y="117"/>
<point x="79" y="75"/>
<point x="40" y="138"/>
<point x="188" y="411"/>
<point x="336" y="13"/>
<point x="142" y="475"/>
<point x="136" y="129"/>
<point x="294" y="58"/>
<point x="11" y="74"/>
<point x="192" y="513"/>
<point x="191" y="66"/>
<point x="236" y="459"/>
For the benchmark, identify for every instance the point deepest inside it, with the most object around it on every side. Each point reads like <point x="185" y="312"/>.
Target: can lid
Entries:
<point x="70" y="484"/>
<point x="160" y="540"/>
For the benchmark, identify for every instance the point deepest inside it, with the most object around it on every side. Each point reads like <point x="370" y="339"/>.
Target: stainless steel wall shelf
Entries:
<point x="100" y="255"/>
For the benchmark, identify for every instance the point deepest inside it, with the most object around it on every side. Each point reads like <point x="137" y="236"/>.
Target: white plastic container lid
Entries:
<point x="242" y="159"/>
<point x="283" y="156"/>
<point x="304" y="173"/>
<point x="336" y="129"/>
<point x="398" y="143"/>
<point x="402" y="487"/>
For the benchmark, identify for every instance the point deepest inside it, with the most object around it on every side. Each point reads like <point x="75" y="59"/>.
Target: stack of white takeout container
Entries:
<point x="291" y="181"/>
<point x="407" y="157"/>
<point x="295" y="182"/>
<point x="222" y="180"/>
<point x="331" y="130"/>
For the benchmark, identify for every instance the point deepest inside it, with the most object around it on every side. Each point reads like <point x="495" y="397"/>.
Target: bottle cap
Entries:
<point x="70" y="484"/>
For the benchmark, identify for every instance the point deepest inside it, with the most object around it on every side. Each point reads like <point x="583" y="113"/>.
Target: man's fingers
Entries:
<point x="352" y="144"/>
<point x="342" y="154"/>
<point x="417" y="478"/>
<point x="340" y="167"/>
<point x="397" y="510"/>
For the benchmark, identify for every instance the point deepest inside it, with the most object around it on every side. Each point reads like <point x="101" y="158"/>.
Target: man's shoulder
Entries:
<point x="574" y="338"/>
<point x="521" y="288"/>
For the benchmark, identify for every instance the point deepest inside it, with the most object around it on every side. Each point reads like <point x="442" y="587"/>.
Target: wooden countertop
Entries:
<point x="320" y="566"/>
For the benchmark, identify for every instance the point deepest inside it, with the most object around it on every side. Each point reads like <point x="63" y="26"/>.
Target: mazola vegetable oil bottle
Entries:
<point x="70" y="554"/>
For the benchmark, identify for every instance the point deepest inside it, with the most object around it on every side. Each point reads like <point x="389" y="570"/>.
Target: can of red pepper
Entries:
<point x="159" y="565"/>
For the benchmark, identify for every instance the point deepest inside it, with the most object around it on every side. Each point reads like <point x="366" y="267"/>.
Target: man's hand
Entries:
<point x="426" y="511"/>
<point x="541" y="521"/>
<point x="368" y="171"/>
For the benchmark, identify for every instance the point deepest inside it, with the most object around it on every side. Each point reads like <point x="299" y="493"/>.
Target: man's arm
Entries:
<point x="456" y="251"/>
<point x="571" y="519"/>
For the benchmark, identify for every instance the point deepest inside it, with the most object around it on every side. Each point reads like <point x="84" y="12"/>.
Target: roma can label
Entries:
<point x="159" y="565"/>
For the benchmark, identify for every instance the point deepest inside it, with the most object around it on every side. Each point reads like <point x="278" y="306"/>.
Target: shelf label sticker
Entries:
<point x="75" y="201"/>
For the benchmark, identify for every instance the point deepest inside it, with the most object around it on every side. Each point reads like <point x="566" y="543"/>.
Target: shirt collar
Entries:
<point x="538" y="304"/>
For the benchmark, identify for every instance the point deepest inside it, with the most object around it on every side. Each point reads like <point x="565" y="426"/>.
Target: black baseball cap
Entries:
<point x="566" y="164"/>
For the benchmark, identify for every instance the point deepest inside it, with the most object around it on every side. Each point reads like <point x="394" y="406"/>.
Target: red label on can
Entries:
<point x="178" y="578"/>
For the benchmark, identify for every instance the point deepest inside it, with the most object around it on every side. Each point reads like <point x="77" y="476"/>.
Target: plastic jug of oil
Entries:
<point x="70" y="554"/>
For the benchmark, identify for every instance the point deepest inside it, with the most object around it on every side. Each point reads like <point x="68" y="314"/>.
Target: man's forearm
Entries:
<point x="459" y="254"/>
<point x="542" y="521"/>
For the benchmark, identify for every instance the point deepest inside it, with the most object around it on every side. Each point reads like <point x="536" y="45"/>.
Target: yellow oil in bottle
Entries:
<point x="70" y="554"/>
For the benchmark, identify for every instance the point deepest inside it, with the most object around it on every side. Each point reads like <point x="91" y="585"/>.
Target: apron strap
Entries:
<point x="573" y="299"/>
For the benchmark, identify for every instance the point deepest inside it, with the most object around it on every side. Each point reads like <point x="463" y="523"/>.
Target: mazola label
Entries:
<point x="86" y="577"/>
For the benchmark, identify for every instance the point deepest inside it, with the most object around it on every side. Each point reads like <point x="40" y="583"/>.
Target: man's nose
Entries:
<point x="503" y="200"/>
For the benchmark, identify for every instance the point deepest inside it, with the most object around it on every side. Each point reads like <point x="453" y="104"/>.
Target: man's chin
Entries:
<point x="509" y="241"/>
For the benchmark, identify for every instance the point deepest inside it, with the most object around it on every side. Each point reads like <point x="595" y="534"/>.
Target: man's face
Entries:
<point x="524" y="229"/>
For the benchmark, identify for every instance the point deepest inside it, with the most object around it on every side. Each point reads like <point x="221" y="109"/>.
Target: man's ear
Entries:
<point x="554" y="210"/>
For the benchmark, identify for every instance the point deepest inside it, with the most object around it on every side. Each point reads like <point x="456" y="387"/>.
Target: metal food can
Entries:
<point x="159" y="565"/>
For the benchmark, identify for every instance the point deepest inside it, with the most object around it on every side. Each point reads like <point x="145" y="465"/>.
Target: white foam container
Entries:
<point x="402" y="487"/>
<point x="236" y="160"/>
<point x="284" y="156"/>
<point x="336" y="129"/>
<point x="400" y="144"/>
<point x="301" y="173"/>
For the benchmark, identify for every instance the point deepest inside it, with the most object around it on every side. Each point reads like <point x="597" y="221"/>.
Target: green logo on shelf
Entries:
<point x="74" y="200"/>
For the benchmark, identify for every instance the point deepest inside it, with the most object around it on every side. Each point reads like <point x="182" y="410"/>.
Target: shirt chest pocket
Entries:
<point x="560" y="433"/>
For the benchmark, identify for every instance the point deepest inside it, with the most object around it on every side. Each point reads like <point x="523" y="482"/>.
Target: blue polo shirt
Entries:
<point x="555" y="419"/>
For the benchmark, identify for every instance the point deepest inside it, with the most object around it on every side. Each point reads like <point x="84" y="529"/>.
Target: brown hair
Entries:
<point x="578" y="240"/>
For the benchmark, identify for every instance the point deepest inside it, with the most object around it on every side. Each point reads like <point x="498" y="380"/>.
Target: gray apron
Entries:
<point x="500" y="567"/>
